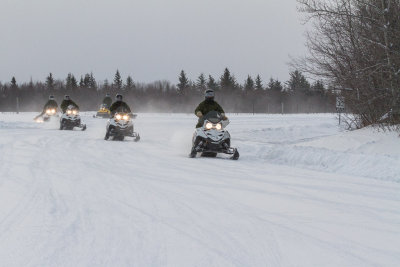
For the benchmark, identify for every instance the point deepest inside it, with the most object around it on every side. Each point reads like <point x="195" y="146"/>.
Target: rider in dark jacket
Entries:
<point x="119" y="106"/>
<point x="50" y="104"/>
<point x="209" y="104"/>
<point x="67" y="102"/>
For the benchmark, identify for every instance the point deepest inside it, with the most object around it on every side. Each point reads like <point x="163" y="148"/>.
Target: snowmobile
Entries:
<point x="121" y="126"/>
<point x="212" y="138"/>
<point x="103" y="112"/>
<point x="50" y="112"/>
<point x="71" y="119"/>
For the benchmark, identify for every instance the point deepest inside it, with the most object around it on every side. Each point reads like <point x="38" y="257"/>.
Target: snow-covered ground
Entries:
<point x="303" y="193"/>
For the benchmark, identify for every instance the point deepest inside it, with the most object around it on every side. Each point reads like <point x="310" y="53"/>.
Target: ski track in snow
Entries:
<point x="298" y="195"/>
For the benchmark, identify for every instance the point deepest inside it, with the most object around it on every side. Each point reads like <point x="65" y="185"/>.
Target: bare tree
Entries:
<point x="355" y="46"/>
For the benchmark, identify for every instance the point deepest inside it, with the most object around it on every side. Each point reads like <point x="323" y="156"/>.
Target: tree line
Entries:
<point x="297" y="95"/>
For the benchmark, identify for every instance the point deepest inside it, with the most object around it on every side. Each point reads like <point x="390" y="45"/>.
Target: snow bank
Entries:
<point x="365" y="152"/>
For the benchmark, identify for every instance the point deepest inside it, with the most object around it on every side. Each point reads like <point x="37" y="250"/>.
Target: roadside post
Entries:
<point x="340" y="106"/>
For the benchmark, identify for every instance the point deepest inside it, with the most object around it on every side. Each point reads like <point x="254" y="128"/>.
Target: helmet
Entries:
<point x="209" y="94"/>
<point x="108" y="95"/>
<point x="66" y="97"/>
<point x="118" y="97"/>
<point x="51" y="97"/>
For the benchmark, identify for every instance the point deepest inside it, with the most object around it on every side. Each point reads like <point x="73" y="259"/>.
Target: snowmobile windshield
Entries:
<point x="122" y="110"/>
<point x="72" y="107"/>
<point x="213" y="117"/>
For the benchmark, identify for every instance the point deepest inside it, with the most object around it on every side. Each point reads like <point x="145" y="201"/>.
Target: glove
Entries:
<point x="199" y="114"/>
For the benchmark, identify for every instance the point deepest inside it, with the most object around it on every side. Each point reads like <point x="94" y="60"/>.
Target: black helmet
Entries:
<point x="51" y="97"/>
<point x="118" y="97"/>
<point x="66" y="97"/>
<point x="209" y="94"/>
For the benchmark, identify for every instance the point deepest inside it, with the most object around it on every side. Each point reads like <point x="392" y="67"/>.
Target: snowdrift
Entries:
<point x="366" y="152"/>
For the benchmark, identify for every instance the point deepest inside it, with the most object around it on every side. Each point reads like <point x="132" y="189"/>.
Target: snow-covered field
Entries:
<point x="303" y="193"/>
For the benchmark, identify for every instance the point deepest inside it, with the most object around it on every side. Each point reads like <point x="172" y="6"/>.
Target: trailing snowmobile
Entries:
<point x="103" y="112"/>
<point x="212" y="138"/>
<point x="50" y="112"/>
<point x="71" y="119"/>
<point x="121" y="126"/>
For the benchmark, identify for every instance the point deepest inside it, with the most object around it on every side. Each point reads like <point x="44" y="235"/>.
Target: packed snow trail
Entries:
<point x="73" y="199"/>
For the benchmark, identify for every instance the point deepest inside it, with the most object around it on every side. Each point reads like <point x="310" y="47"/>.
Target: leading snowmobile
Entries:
<point x="212" y="138"/>
<point x="121" y="126"/>
<point x="71" y="119"/>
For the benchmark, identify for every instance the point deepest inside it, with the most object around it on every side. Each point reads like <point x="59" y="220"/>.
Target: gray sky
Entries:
<point x="148" y="39"/>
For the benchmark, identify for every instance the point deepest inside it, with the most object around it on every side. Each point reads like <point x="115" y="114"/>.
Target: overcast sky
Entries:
<point x="148" y="39"/>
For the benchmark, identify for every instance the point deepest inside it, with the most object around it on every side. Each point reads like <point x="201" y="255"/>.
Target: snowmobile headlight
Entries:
<point x="118" y="116"/>
<point x="218" y="126"/>
<point x="209" y="125"/>
<point x="53" y="111"/>
<point x="69" y="112"/>
<point x="74" y="112"/>
<point x="48" y="111"/>
<point x="125" y="117"/>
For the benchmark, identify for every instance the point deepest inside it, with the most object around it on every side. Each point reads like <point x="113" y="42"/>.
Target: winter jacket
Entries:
<point x="66" y="103"/>
<point x="50" y="104"/>
<point x="119" y="106"/>
<point x="205" y="107"/>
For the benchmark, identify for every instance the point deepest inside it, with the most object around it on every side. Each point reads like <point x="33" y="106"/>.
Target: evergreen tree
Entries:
<point x="201" y="82"/>
<point x="183" y="84"/>
<point x="249" y="85"/>
<point x="259" y="86"/>
<point x="212" y="84"/>
<point x="298" y="82"/>
<point x="14" y="83"/>
<point x="50" y="82"/>
<point x="68" y="82"/>
<point x="86" y="81"/>
<point x="81" y="83"/>
<point x="270" y="84"/>
<point x="74" y="82"/>
<point x="130" y="85"/>
<point x="318" y="87"/>
<point x="117" y="81"/>
<point x="227" y="80"/>
<point x="275" y="85"/>
<point x="30" y="84"/>
<point x="92" y="81"/>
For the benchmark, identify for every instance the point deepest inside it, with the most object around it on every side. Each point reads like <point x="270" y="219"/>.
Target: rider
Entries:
<point x="107" y="101"/>
<point x="119" y="106"/>
<point x="67" y="102"/>
<point x="50" y="104"/>
<point x="209" y="104"/>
